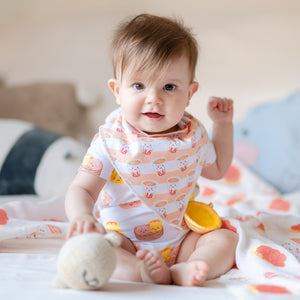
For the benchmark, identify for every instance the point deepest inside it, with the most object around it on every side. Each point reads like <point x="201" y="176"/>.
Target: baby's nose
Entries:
<point x="154" y="97"/>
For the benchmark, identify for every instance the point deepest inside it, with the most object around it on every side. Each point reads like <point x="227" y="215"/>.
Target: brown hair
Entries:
<point x="151" y="42"/>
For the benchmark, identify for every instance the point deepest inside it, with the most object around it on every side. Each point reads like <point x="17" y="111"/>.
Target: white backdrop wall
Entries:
<point x="249" y="49"/>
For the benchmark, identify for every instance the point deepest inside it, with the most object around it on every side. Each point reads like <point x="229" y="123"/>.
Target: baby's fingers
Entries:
<point x="214" y="102"/>
<point x="227" y="104"/>
<point x="221" y="104"/>
<point x="78" y="227"/>
<point x="71" y="230"/>
<point x="92" y="227"/>
<point x="100" y="228"/>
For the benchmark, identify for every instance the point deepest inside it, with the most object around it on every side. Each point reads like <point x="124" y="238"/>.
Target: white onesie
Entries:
<point x="150" y="179"/>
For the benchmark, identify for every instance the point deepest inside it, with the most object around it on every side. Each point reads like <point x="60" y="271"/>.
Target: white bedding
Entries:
<point x="32" y="232"/>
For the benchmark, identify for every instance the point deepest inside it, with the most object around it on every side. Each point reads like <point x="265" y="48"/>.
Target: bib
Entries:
<point x="162" y="170"/>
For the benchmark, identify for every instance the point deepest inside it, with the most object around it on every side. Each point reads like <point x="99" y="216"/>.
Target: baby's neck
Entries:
<point x="172" y="129"/>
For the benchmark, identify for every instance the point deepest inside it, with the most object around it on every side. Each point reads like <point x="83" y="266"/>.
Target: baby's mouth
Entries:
<point x="153" y="115"/>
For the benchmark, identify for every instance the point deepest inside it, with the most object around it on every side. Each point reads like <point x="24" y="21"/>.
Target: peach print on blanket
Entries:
<point x="3" y="217"/>
<point x="233" y="175"/>
<point x="207" y="191"/>
<point x="295" y="228"/>
<point x="226" y="224"/>
<point x="273" y="289"/>
<point x="280" y="204"/>
<point x="273" y="256"/>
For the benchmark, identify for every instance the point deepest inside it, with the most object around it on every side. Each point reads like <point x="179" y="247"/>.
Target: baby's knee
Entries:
<point x="222" y="236"/>
<point x="228" y="237"/>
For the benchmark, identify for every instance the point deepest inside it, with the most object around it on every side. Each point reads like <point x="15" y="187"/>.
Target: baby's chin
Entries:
<point x="172" y="129"/>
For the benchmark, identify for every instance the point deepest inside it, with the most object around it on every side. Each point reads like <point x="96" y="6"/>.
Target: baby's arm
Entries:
<point x="220" y="110"/>
<point x="79" y="203"/>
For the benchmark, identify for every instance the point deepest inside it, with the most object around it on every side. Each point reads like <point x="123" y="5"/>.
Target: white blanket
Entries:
<point x="268" y="224"/>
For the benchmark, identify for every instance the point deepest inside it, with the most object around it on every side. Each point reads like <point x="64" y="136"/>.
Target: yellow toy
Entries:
<point x="201" y="217"/>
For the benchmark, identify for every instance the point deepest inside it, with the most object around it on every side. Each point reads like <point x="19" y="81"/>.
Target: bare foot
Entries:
<point x="153" y="268"/>
<point x="192" y="273"/>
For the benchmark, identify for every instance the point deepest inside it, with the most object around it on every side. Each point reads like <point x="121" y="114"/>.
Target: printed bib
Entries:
<point x="161" y="170"/>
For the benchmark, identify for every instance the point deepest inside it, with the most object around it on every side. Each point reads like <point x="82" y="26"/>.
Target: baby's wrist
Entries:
<point x="82" y="216"/>
<point x="223" y="123"/>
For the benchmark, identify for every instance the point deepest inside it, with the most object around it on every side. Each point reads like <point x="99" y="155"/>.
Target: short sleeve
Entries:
<point x="209" y="154"/>
<point x="96" y="161"/>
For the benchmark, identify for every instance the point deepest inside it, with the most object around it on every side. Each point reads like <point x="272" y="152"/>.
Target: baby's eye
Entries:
<point x="170" y="87"/>
<point x="138" y="86"/>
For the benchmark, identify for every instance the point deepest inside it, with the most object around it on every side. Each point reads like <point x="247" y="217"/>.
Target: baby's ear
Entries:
<point x="114" y="86"/>
<point x="113" y="238"/>
<point x="193" y="88"/>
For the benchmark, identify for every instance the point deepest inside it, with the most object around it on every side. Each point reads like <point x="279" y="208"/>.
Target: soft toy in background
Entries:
<point x="35" y="161"/>
<point x="52" y="106"/>
<point x="268" y="141"/>
<point x="87" y="261"/>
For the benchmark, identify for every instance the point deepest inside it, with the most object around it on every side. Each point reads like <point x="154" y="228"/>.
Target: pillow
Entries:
<point x="268" y="141"/>
<point x="49" y="105"/>
<point x="34" y="161"/>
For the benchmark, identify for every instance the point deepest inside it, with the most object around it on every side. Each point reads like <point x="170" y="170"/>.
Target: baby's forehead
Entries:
<point x="152" y="70"/>
<point x="136" y="72"/>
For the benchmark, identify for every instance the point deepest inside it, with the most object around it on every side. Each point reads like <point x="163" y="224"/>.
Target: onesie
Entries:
<point x="149" y="180"/>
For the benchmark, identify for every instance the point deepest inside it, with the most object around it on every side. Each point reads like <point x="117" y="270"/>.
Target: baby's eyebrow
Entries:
<point x="172" y="81"/>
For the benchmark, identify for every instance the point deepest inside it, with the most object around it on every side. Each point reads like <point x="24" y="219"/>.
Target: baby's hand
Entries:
<point x="220" y="110"/>
<point x="85" y="224"/>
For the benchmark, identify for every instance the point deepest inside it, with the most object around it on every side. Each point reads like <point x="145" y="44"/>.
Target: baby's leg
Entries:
<point x="153" y="268"/>
<point x="203" y="257"/>
<point x="191" y="273"/>
<point x="143" y="266"/>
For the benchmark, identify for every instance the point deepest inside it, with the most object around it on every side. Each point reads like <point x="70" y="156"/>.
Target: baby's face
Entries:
<point x="156" y="106"/>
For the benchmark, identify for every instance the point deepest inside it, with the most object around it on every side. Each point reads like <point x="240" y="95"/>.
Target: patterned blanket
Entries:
<point x="268" y="224"/>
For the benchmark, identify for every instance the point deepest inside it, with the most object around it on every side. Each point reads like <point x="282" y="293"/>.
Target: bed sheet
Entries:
<point x="267" y="257"/>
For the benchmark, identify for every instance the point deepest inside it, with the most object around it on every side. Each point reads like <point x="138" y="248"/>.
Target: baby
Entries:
<point x="142" y="167"/>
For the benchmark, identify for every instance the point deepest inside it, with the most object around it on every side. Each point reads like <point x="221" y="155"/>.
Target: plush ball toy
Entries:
<point x="268" y="141"/>
<point x="87" y="261"/>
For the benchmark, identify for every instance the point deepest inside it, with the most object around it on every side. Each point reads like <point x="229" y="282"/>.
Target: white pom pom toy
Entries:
<point x="87" y="261"/>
